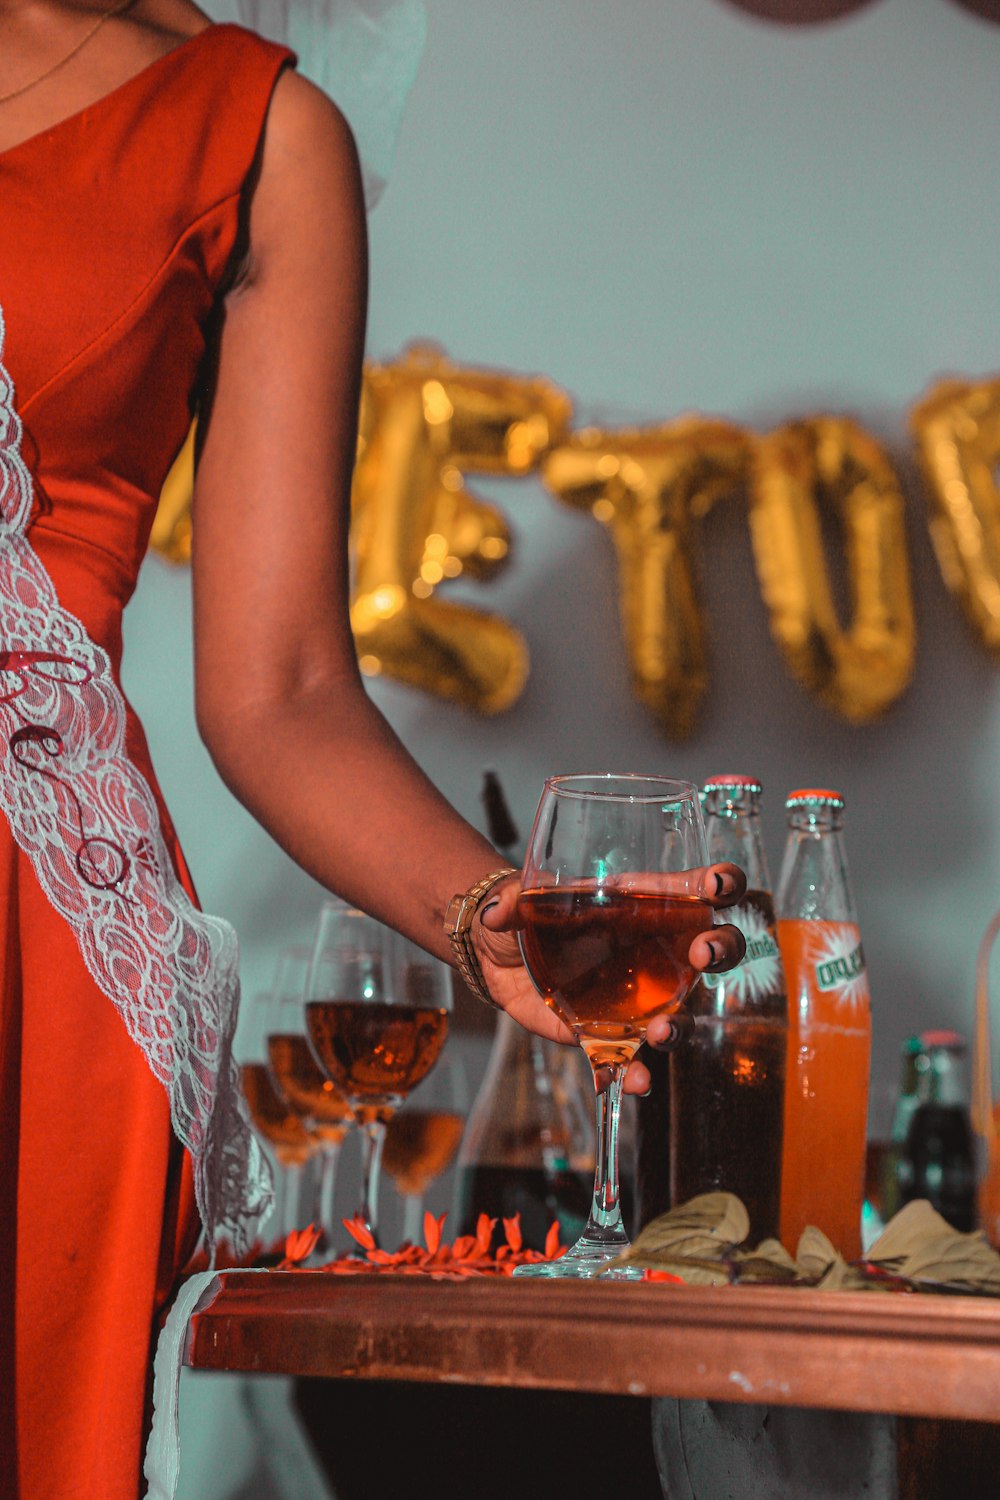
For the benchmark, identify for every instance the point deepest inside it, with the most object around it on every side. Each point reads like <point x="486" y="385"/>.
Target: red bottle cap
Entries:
<point x="823" y="795"/>
<point x="952" y="1040"/>
<point x="735" y="783"/>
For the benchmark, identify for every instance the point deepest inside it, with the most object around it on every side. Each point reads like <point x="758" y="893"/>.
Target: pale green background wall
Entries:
<point x="665" y="205"/>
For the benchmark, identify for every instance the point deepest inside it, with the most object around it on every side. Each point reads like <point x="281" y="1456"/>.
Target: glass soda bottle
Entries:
<point x="727" y="1077"/>
<point x="528" y="1144"/>
<point x="829" y="1029"/>
<point x="938" y="1161"/>
<point x="913" y="1062"/>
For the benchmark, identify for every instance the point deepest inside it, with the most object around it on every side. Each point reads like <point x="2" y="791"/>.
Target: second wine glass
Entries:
<point x="610" y="903"/>
<point x="377" y="1017"/>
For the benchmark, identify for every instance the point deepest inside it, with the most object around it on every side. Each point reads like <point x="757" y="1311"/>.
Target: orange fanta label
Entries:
<point x="826" y="1089"/>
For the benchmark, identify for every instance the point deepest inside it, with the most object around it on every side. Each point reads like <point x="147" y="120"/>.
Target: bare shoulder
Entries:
<point x="309" y="190"/>
<point x="306" y="131"/>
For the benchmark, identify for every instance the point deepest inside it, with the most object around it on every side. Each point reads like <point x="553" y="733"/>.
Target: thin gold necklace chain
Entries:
<point x="107" y="15"/>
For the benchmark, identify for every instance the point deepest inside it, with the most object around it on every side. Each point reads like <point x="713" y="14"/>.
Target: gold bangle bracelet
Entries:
<point x="458" y="927"/>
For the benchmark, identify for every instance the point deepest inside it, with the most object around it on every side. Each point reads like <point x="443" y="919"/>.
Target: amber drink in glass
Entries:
<point x="610" y="904"/>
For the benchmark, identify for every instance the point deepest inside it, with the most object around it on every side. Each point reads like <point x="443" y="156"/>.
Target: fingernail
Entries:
<point x="716" y="955"/>
<point x="489" y="906"/>
<point x="720" y="884"/>
<point x="646" y="1092"/>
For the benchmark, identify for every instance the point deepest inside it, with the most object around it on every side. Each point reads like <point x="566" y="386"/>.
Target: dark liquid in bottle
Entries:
<point x="727" y="1104"/>
<point x="938" y="1163"/>
<point x="538" y="1196"/>
<point x="714" y="1119"/>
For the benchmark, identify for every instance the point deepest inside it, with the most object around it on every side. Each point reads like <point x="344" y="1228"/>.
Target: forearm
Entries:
<point x="326" y="776"/>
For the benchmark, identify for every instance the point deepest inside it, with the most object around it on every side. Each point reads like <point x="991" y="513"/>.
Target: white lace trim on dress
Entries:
<point x="88" y="821"/>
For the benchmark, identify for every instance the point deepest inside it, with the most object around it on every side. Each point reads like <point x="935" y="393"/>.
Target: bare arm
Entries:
<point x="280" y="702"/>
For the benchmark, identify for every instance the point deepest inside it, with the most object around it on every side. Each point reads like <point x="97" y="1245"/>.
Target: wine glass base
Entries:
<point x="586" y="1260"/>
<point x="589" y="1270"/>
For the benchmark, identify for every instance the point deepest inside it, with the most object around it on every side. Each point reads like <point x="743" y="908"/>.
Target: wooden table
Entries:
<point x="926" y="1357"/>
<point x="916" y="1355"/>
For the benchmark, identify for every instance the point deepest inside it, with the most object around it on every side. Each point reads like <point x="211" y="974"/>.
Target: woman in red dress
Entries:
<point x="181" y="229"/>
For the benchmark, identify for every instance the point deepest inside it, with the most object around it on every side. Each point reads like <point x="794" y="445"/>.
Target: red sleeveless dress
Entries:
<point x="117" y="229"/>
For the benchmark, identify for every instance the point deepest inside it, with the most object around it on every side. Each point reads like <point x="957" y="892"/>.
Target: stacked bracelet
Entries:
<point x="458" y="926"/>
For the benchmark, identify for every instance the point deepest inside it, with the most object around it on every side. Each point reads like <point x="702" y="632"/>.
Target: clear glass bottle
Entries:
<point x="938" y="1161"/>
<point x="829" y="1026"/>
<point x="719" y="1123"/>
<point x="528" y="1143"/>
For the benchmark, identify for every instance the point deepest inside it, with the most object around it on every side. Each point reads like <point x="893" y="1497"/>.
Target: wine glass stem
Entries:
<point x="327" y="1187"/>
<point x="413" y="1218"/>
<point x="303" y="1199"/>
<point x="605" y="1212"/>
<point x="370" y="1173"/>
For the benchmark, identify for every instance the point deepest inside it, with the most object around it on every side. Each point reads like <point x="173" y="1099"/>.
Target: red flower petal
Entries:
<point x="484" y="1233"/>
<point x="359" y="1231"/>
<point x="432" y="1231"/>
<point x="552" y="1241"/>
<point x="301" y="1243"/>
<point x="512" y="1229"/>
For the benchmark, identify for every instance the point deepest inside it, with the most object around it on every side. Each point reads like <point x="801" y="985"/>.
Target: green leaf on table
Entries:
<point x="692" y="1240"/>
<point x="906" y="1231"/>
<point x="815" y="1254"/>
<point x="921" y="1246"/>
<point x="770" y="1262"/>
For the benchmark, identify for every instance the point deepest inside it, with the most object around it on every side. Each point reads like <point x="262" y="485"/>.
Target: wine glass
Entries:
<point x="610" y="904"/>
<point x="278" y="1128"/>
<point x="323" y="1111"/>
<point x="377" y="1017"/>
<point x="423" y="1136"/>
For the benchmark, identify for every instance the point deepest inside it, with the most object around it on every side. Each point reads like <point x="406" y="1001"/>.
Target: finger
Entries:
<point x="719" y="949"/>
<point x="723" y="884"/>
<point x="499" y="913"/>
<point x="667" y="1032"/>
<point x="637" y="1078"/>
<point x="531" y="1012"/>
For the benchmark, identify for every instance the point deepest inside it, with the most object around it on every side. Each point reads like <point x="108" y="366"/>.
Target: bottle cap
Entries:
<point x="951" y="1041"/>
<point x="732" y="783"/>
<point x="822" y="795"/>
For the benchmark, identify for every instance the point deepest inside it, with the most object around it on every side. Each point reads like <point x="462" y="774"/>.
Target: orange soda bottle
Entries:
<point x="829" y="1029"/>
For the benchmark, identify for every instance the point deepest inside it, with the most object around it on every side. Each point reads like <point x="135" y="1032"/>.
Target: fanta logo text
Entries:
<point x="834" y="972"/>
<point x="760" y="947"/>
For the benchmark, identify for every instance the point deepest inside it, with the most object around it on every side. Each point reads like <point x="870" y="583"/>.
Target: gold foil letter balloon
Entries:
<point x="650" y="486"/>
<point x="414" y="524"/>
<point x="832" y="464"/>
<point x="171" y="532"/>
<point x="957" y="427"/>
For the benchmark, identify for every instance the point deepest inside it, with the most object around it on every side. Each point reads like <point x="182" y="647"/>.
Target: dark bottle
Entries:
<point x="528" y="1144"/>
<point x="939" y="1159"/>
<point x="718" y="1126"/>
<point x="913" y="1062"/>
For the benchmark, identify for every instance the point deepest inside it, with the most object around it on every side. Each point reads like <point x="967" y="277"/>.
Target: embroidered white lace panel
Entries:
<point x="88" y="821"/>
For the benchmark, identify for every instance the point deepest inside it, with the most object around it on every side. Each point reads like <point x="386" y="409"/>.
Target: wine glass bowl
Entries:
<point x="377" y="1018"/>
<point x="322" y="1109"/>
<point x="611" y="901"/>
<point x="424" y="1135"/>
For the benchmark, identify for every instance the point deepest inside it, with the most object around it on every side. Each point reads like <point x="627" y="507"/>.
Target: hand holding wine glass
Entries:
<point x="714" y="950"/>
<point x="613" y="908"/>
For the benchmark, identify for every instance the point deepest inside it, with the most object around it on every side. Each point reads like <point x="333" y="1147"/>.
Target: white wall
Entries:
<point x="665" y="205"/>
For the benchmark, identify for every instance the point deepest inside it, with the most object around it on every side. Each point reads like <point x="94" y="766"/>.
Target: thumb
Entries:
<point x="499" y="914"/>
